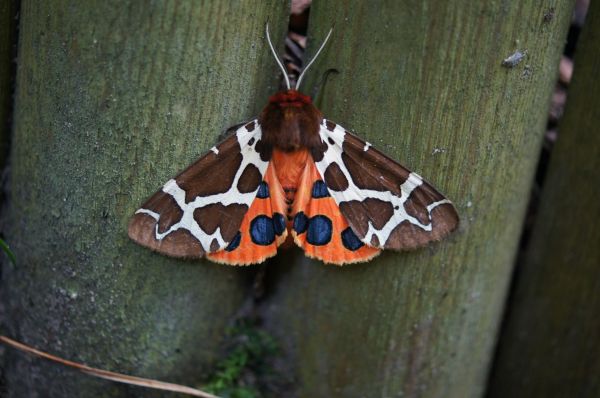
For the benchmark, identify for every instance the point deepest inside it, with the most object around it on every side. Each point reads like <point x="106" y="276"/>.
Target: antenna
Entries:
<point x="313" y="59"/>
<point x="285" y="75"/>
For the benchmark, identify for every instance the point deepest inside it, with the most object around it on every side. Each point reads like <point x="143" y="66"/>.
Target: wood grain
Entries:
<point x="551" y="339"/>
<point x="423" y="81"/>
<point x="113" y="99"/>
<point x="8" y="21"/>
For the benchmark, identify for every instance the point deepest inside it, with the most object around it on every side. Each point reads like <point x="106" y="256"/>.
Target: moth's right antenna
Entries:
<point x="285" y="75"/>
<point x="313" y="59"/>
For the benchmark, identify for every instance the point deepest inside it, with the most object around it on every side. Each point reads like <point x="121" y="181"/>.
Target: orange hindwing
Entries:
<point x="263" y="227"/>
<point x="320" y="228"/>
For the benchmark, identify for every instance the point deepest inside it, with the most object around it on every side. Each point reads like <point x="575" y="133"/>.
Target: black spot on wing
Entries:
<point x="262" y="230"/>
<point x="234" y="243"/>
<point x="278" y="223"/>
<point x="300" y="223"/>
<point x="319" y="190"/>
<point x="320" y="229"/>
<point x="263" y="190"/>
<point x="350" y="240"/>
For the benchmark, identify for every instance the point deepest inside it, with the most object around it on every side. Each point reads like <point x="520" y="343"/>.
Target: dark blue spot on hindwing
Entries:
<point x="319" y="190"/>
<point x="235" y="242"/>
<point x="350" y="240"/>
<point x="300" y="223"/>
<point x="319" y="230"/>
<point x="263" y="190"/>
<point x="262" y="231"/>
<point x="278" y="223"/>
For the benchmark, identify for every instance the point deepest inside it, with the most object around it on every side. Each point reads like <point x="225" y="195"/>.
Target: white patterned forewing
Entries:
<point x="386" y="205"/>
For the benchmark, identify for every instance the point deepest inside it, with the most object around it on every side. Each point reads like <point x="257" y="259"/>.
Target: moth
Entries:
<point x="292" y="176"/>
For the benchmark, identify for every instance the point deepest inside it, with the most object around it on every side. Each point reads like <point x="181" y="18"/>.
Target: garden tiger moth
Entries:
<point x="292" y="176"/>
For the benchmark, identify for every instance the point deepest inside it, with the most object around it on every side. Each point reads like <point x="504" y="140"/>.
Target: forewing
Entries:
<point x="386" y="205"/>
<point x="201" y="210"/>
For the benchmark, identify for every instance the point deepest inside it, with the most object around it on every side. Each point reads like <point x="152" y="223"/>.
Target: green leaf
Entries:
<point x="9" y="253"/>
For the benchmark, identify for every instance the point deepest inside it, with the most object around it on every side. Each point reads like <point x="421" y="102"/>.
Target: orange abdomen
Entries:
<point x="289" y="167"/>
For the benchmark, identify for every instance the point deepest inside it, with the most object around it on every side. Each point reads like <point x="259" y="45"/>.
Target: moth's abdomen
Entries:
<point x="289" y="167"/>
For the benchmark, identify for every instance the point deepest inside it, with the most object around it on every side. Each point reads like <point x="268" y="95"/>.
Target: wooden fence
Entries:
<point x="114" y="98"/>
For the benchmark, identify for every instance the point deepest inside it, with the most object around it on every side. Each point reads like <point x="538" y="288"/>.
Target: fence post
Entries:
<point x="551" y="339"/>
<point x="113" y="99"/>
<point x="423" y="81"/>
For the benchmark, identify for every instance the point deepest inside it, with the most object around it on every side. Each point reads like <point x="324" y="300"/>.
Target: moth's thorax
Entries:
<point x="290" y="122"/>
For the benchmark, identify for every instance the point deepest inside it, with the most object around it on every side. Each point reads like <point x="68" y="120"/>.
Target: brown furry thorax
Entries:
<point x="290" y="122"/>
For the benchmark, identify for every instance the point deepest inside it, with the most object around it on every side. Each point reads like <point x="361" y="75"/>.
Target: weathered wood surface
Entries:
<point x="551" y="340"/>
<point x="423" y="81"/>
<point x="114" y="98"/>
<point x="7" y="38"/>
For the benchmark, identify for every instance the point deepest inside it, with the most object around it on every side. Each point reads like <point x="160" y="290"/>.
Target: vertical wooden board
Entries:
<point x="423" y="81"/>
<point x="551" y="338"/>
<point x="113" y="99"/>
<point x="8" y="21"/>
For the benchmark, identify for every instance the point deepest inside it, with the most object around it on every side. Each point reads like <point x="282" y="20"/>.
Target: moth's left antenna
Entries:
<point x="285" y="75"/>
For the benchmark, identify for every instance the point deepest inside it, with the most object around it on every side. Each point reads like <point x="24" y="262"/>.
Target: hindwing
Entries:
<point x="263" y="228"/>
<point x="319" y="227"/>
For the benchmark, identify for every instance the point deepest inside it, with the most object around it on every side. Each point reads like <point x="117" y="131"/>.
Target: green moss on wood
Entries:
<point x="247" y="370"/>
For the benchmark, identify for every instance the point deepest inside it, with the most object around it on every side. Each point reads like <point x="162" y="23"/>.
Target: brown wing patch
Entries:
<point x="179" y="243"/>
<point x="409" y="236"/>
<point x="334" y="178"/>
<point x="227" y="218"/>
<point x="416" y="204"/>
<point x="249" y="179"/>
<point x="377" y="211"/>
<point x="371" y="169"/>
<point x="166" y="206"/>
<point x="196" y="182"/>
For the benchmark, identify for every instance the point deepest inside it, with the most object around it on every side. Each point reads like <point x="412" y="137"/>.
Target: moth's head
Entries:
<point x="290" y="98"/>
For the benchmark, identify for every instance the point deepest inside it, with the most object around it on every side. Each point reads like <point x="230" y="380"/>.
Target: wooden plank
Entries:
<point x="113" y="99"/>
<point x="423" y="81"/>
<point x="551" y="339"/>
<point x="8" y="14"/>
